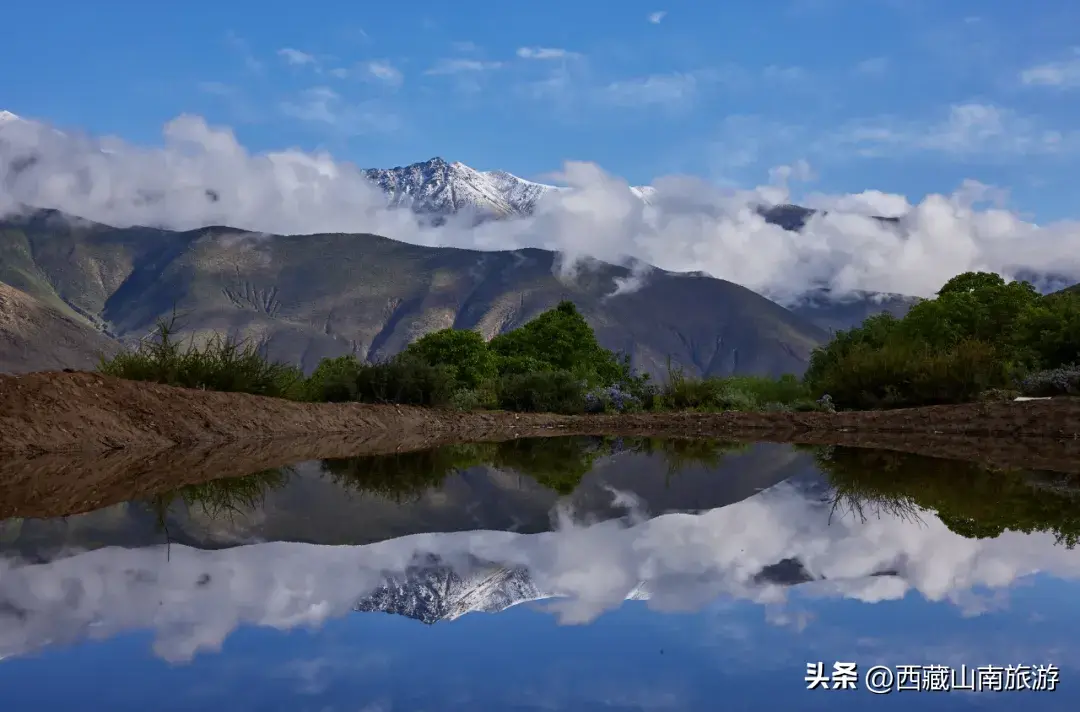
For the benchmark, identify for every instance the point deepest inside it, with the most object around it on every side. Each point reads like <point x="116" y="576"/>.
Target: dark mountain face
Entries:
<point x="308" y="505"/>
<point x="313" y="296"/>
<point x="316" y="296"/>
<point x="837" y="314"/>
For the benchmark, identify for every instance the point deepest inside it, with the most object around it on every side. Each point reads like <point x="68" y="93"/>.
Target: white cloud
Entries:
<point x="296" y="58"/>
<point x="385" y="72"/>
<point x="968" y="130"/>
<point x="664" y="89"/>
<point x="545" y="53"/>
<point x="241" y="47"/>
<point x="217" y="88"/>
<point x="323" y="105"/>
<point x="194" y="599"/>
<point x="688" y="225"/>
<point x="462" y="66"/>
<point x="784" y="73"/>
<point x="875" y="66"/>
<point x="657" y="17"/>
<point x="1064" y="73"/>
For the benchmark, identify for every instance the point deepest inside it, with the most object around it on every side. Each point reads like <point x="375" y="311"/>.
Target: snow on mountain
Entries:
<point x="442" y="593"/>
<point x="442" y="188"/>
<point x="433" y="593"/>
<point x="438" y="188"/>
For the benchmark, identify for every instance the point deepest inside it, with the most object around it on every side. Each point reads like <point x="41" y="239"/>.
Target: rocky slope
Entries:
<point x="325" y="295"/>
<point x="36" y="336"/>
<point x="312" y="296"/>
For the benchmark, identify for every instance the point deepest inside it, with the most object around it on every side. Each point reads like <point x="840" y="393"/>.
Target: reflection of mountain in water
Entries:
<point x="753" y="550"/>
<point x="441" y="593"/>
<point x="317" y="506"/>
<point x="432" y="592"/>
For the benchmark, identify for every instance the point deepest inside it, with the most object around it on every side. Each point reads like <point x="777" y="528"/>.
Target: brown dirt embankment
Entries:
<point x="87" y="412"/>
<point x="73" y="442"/>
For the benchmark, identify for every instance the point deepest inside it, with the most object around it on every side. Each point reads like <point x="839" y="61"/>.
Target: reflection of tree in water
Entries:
<point x="228" y="496"/>
<point x="404" y="475"/>
<point x="684" y="453"/>
<point x="970" y="499"/>
<point x="558" y="463"/>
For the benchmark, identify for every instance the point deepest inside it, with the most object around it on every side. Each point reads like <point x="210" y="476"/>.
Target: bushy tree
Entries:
<point x="975" y="306"/>
<point x="1049" y="331"/>
<point x="463" y="352"/>
<point x="559" y="340"/>
<point x="980" y="332"/>
<point x="334" y="380"/>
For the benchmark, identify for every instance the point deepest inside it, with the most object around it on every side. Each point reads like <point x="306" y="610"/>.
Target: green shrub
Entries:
<point x="334" y="380"/>
<point x="221" y="364"/>
<point x="737" y="393"/>
<point x="542" y="392"/>
<point x="406" y="382"/>
<point x="559" y="340"/>
<point x="1049" y="332"/>
<point x="485" y="396"/>
<point x="979" y="333"/>
<point x="463" y="352"/>
<point x="785" y="390"/>
<point x="902" y="375"/>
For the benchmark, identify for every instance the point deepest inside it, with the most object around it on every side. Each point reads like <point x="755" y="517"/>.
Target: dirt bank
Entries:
<point x="75" y="442"/>
<point x="90" y="413"/>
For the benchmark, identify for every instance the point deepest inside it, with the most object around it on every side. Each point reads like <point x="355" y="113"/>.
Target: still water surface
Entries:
<point x="570" y="573"/>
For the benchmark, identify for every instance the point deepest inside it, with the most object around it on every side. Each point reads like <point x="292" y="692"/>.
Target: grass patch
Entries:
<point x="221" y="364"/>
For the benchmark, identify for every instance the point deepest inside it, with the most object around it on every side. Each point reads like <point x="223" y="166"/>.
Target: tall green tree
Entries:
<point x="463" y="352"/>
<point x="559" y="340"/>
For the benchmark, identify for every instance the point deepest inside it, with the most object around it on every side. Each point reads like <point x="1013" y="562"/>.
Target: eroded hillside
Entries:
<point x="313" y="296"/>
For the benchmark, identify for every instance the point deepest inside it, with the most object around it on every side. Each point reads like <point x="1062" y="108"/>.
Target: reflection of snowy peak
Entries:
<point x="438" y="592"/>
<point x="783" y="536"/>
<point x="441" y="593"/>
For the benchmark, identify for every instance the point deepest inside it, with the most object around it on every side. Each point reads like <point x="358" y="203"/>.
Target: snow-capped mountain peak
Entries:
<point x="436" y="186"/>
<point x="440" y="188"/>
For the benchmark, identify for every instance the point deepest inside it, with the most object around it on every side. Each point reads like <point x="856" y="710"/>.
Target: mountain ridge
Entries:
<point x="373" y="295"/>
<point x="119" y="281"/>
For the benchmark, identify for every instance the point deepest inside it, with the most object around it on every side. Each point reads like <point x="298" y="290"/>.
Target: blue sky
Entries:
<point x="907" y="96"/>
<point x="628" y="659"/>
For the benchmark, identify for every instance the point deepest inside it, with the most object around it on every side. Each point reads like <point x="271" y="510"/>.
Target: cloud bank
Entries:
<point x="193" y="600"/>
<point x="686" y="225"/>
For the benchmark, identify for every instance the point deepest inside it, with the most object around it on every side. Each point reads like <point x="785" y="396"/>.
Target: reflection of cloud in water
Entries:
<point x="194" y="599"/>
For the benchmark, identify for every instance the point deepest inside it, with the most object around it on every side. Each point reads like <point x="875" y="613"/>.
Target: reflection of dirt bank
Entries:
<point x="125" y="439"/>
<point x="60" y="484"/>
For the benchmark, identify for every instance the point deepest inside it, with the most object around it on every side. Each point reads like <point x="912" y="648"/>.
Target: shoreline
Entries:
<point x="83" y="412"/>
<point x="75" y="442"/>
